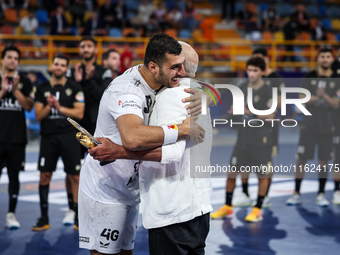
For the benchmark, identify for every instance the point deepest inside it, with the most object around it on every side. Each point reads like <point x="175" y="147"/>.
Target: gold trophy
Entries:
<point x="86" y="139"/>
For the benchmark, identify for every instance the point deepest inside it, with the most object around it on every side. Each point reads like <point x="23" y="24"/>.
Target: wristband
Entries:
<point x="170" y="134"/>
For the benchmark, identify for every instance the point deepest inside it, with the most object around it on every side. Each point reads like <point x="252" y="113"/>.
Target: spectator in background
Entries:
<point x="160" y="13"/>
<point x="152" y="27"/>
<point x="29" y="26"/>
<point x="228" y="10"/>
<point x="17" y="4"/>
<point x="189" y="13"/>
<point x="120" y="15"/>
<point x="32" y="76"/>
<point x="145" y="10"/>
<point x="126" y="58"/>
<point x="107" y="14"/>
<point x="271" y="19"/>
<point x="94" y="26"/>
<point x="175" y="18"/>
<point x="78" y="9"/>
<point x="303" y="18"/>
<point x="208" y="26"/>
<point x="290" y="29"/>
<point x="246" y="19"/>
<point x="59" y="24"/>
<point x="111" y="60"/>
<point x="319" y="32"/>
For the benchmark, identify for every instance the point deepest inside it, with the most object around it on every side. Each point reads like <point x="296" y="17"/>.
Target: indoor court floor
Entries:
<point x="305" y="229"/>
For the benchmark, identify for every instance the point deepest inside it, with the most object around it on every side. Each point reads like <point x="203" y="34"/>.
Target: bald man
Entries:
<point x="176" y="204"/>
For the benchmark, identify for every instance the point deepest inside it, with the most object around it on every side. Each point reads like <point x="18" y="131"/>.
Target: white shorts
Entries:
<point x="106" y="228"/>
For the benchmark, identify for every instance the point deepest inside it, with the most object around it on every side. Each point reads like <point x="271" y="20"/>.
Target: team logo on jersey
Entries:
<point x="80" y="97"/>
<point x="269" y="103"/>
<point x="77" y="167"/>
<point x="268" y="82"/>
<point x="256" y="99"/>
<point x="47" y="93"/>
<point x="20" y="85"/>
<point x="332" y="84"/>
<point x="68" y="92"/>
<point x="322" y="84"/>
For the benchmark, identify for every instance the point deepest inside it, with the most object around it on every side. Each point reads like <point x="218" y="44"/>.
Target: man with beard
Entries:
<point x="55" y="100"/>
<point x="15" y="98"/>
<point x="94" y="79"/>
<point x="317" y="128"/>
<point x="111" y="61"/>
<point x="111" y="191"/>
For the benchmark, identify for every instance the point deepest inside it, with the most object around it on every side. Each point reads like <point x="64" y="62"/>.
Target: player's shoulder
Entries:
<point x="73" y="84"/>
<point x="103" y="72"/>
<point x="311" y="74"/>
<point x="274" y="74"/>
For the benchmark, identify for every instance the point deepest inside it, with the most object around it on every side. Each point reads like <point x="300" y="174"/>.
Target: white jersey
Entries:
<point x="117" y="182"/>
<point x="169" y="194"/>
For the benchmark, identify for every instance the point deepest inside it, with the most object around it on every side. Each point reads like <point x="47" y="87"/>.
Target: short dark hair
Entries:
<point x="325" y="50"/>
<point x="258" y="62"/>
<point x="107" y="53"/>
<point x="62" y="57"/>
<point x="158" y="46"/>
<point x="262" y="51"/>
<point x="10" y="48"/>
<point x="88" y="38"/>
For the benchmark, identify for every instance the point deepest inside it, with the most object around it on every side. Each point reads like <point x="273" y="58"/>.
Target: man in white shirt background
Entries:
<point x="29" y="25"/>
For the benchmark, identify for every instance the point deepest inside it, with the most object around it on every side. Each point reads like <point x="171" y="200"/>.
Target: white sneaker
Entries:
<point x="295" y="199"/>
<point x="69" y="217"/>
<point x="321" y="200"/>
<point x="242" y="200"/>
<point x="336" y="197"/>
<point x="11" y="221"/>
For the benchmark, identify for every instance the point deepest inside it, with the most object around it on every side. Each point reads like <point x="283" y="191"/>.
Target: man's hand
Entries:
<point x="89" y="69"/>
<point x="194" y="108"/>
<point x="106" y="151"/>
<point x="78" y="73"/>
<point x="15" y="83"/>
<point x="320" y="92"/>
<point x="196" y="132"/>
<point x="4" y="84"/>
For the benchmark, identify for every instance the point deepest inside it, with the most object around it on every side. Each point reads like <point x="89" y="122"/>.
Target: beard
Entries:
<point x="58" y="77"/>
<point x="88" y="58"/>
<point x="324" y="67"/>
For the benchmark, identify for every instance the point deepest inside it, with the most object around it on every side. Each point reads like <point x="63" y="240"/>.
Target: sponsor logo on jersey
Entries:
<point x="84" y="239"/>
<point x="80" y="97"/>
<point x="20" y="85"/>
<point x="47" y="93"/>
<point x="137" y="83"/>
<point x="8" y="104"/>
<point x="129" y="104"/>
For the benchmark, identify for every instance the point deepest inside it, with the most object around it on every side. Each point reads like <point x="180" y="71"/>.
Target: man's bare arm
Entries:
<point x="136" y="136"/>
<point x="109" y="151"/>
